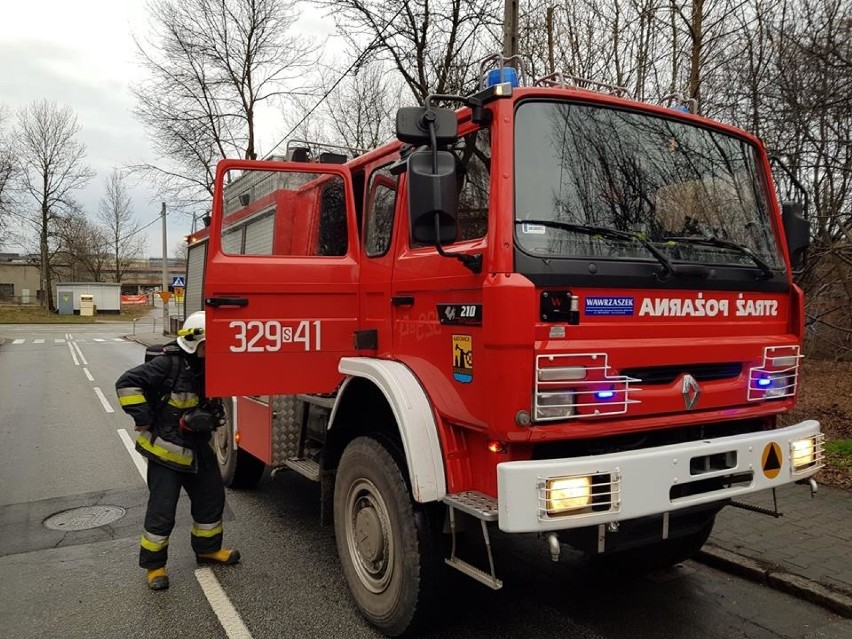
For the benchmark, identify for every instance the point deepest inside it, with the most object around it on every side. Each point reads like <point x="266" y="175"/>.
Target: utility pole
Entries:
<point x="510" y="28"/>
<point x="165" y="288"/>
<point x="551" y="65"/>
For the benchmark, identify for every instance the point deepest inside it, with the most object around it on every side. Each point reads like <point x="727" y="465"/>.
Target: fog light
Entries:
<point x="569" y="493"/>
<point x="802" y="453"/>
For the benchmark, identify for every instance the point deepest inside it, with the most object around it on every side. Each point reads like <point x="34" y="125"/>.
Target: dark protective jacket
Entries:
<point x="144" y="393"/>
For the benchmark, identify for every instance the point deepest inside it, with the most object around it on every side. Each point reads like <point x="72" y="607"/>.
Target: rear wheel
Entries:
<point x="239" y="469"/>
<point x="384" y="540"/>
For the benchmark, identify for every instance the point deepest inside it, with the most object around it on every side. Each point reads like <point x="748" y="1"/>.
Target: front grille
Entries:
<point x="656" y="375"/>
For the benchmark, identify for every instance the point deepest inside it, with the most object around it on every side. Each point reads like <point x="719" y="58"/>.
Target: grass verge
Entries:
<point x="38" y="315"/>
<point x="839" y="453"/>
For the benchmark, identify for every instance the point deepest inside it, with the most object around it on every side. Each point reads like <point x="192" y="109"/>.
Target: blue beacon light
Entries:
<point x="608" y="394"/>
<point x="764" y="382"/>
<point x="499" y="76"/>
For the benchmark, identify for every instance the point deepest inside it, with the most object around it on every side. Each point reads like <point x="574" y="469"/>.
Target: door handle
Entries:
<point x="402" y="300"/>
<point x="226" y="301"/>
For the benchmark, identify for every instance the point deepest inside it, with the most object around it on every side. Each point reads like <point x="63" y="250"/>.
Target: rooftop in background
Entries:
<point x="157" y="262"/>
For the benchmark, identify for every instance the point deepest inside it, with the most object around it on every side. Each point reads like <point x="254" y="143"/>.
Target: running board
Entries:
<point x="305" y="467"/>
<point x="472" y="571"/>
<point x="483" y="508"/>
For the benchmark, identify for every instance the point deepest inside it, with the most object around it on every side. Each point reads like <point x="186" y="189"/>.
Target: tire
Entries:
<point x="386" y="543"/>
<point x="239" y="469"/>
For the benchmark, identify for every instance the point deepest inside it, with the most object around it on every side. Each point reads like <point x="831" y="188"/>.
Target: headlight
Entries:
<point x="802" y="453"/>
<point x="569" y="493"/>
<point x="781" y="385"/>
<point x="559" y="404"/>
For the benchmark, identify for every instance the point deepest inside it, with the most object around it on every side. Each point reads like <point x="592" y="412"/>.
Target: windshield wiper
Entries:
<point x="765" y="269"/>
<point x="588" y="229"/>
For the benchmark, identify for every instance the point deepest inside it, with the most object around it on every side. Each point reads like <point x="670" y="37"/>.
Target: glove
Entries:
<point x="198" y="421"/>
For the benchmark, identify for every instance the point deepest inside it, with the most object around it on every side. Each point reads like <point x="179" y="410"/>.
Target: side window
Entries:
<point x="331" y="238"/>
<point x="381" y="203"/>
<point x="474" y="172"/>
<point x="284" y="213"/>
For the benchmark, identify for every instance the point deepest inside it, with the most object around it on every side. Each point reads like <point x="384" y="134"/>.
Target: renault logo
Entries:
<point x="691" y="391"/>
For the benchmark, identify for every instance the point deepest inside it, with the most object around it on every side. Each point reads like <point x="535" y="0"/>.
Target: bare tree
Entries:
<point x="120" y="225"/>
<point x="8" y="169"/>
<point x="84" y="247"/>
<point x="434" y="46"/>
<point x="358" y="114"/>
<point x="181" y="251"/>
<point x="52" y="169"/>
<point x="212" y="64"/>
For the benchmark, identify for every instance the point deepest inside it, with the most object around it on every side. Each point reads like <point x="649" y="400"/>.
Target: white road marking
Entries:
<point x="222" y="606"/>
<point x="58" y="341"/>
<point x="98" y="339"/>
<point x="38" y="341"/>
<point x="141" y="462"/>
<point x="103" y="399"/>
<point x="117" y="339"/>
<point x="88" y="374"/>
<point x="80" y="353"/>
<point x="73" y="354"/>
<point x="19" y="341"/>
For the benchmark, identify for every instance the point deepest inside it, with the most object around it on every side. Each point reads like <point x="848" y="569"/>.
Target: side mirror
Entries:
<point x="797" y="229"/>
<point x="431" y="193"/>
<point x="412" y="125"/>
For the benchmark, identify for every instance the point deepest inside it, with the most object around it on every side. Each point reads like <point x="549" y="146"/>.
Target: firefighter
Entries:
<point x="165" y="397"/>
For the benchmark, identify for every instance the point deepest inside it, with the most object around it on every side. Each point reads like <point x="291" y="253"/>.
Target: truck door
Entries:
<point x="281" y="282"/>
<point x="378" y="256"/>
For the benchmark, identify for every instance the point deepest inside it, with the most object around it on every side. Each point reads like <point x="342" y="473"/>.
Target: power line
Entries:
<point x="358" y="61"/>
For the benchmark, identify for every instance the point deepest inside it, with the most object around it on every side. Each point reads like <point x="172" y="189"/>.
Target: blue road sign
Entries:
<point x="178" y="281"/>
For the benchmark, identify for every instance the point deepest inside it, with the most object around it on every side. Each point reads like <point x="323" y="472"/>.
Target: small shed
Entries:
<point x="106" y="297"/>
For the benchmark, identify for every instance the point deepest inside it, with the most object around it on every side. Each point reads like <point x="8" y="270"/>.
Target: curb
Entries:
<point x="801" y="587"/>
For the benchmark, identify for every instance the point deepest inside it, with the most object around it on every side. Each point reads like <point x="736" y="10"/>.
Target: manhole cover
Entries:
<point x="84" y="518"/>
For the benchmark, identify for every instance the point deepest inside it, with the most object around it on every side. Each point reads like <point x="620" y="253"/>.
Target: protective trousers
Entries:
<point x="207" y="496"/>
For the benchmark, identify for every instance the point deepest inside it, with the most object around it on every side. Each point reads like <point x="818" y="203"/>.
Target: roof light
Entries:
<point x="501" y="75"/>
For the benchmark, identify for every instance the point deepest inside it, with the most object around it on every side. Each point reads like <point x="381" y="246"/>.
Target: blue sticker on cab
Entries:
<point x="609" y="305"/>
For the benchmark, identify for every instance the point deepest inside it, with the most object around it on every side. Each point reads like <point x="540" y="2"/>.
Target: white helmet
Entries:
<point x="192" y="333"/>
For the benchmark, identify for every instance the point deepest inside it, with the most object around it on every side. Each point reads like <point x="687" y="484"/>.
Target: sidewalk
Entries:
<point x="806" y="552"/>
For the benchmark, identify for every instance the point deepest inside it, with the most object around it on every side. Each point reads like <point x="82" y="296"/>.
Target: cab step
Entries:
<point x="474" y="503"/>
<point x="306" y="467"/>
<point x="484" y="508"/>
<point x="475" y="573"/>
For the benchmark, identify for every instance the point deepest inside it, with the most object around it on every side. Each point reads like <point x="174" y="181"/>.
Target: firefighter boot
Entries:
<point x="223" y="557"/>
<point x="158" y="579"/>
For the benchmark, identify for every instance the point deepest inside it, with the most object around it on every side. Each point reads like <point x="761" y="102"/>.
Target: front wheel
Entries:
<point x="238" y="468"/>
<point x="385" y="542"/>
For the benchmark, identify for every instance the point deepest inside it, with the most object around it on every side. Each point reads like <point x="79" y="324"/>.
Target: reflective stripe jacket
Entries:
<point x="144" y="394"/>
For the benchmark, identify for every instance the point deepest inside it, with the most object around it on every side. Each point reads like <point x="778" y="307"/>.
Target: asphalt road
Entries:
<point x="60" y="449"/>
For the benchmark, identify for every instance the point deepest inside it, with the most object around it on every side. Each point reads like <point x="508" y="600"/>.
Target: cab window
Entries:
<point x="381" y="204"/>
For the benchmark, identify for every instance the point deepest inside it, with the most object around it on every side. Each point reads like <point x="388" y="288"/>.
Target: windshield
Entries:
<point x="665" y="182"/>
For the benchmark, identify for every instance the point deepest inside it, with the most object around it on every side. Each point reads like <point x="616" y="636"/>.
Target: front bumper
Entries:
<point x="655" y="480"/>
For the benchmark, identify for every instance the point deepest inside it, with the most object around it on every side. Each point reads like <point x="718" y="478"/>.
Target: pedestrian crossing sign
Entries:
<point x="178" y="281"/>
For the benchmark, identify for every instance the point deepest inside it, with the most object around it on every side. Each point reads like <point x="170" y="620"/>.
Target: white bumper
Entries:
<point x="642" y="480"/>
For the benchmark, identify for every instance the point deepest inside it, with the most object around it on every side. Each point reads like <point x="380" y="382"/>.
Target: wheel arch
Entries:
<point x="401" y="411"/>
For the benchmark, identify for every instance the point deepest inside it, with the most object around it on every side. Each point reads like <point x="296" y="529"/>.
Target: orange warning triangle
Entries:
<point x="771" y="462"/>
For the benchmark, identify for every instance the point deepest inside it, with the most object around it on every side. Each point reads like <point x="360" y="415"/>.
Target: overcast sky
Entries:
<point x="81" y="53"/>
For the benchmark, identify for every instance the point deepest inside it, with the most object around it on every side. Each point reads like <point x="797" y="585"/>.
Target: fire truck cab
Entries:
<point x="555" y="310"/>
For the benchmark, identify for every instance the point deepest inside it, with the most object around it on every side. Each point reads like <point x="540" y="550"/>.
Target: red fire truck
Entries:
<point x="555" y="310"/>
